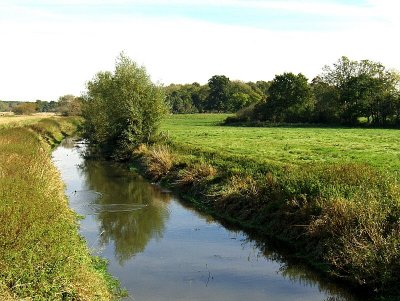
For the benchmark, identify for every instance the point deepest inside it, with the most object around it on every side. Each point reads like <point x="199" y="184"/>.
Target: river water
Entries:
<point x="162" y="250"/>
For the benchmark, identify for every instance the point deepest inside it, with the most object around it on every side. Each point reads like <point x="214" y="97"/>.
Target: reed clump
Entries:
<point x="157" y="159"/>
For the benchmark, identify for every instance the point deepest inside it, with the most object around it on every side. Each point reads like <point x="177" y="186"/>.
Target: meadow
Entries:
<point x="8" y="119"/>
<point x="42" y="256"/>
<point x="286" y="145"/>
<point x="331" y="194"/>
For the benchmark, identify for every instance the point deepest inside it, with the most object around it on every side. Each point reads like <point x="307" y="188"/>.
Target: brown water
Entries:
<point x="161" y="250"/>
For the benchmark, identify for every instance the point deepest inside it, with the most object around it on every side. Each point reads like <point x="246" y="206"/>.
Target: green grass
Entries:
<point x="333" y="194"/>
<point x="42" y="256"/>
<point x="286" y="145"/>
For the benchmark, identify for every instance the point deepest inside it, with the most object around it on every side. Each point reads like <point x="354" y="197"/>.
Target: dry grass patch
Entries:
<point x="195" y="174"/>
<point x="158" y="160"/>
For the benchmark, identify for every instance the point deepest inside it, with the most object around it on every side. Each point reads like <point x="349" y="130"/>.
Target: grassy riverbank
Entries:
<point x="42" y="256"/>
<point x="332" y="194"/>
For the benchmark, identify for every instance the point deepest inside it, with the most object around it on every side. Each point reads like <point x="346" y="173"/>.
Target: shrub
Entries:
<point x="122" y="109"/>
<point x="25" y="109"/>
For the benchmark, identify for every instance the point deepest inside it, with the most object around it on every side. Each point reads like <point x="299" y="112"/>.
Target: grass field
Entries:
<point x="289" y="145"/>
<point x="11" y="120"/>
<point x="333" y="194"/>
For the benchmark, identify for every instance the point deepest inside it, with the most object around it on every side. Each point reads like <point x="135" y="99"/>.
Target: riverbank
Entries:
<point x="42" y="256"/>
<point x="341" y="217"/>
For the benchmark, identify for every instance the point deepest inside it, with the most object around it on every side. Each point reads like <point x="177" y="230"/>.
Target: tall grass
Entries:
<point x="343" y="217"/>
<point x="42" y="256"/>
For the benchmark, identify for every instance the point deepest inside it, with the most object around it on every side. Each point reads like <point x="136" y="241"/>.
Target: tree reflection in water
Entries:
<point x="132" y="227"/>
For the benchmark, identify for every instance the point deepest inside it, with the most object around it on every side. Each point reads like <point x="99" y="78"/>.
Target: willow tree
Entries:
<point x="122" y="109"/>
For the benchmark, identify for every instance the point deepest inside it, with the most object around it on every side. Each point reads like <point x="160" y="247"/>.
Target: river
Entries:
<point x="161" y="249"/>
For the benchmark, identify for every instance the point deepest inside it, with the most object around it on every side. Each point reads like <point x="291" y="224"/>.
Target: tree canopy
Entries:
<point x="122" y="108"/>
<point x="290" y="100"/>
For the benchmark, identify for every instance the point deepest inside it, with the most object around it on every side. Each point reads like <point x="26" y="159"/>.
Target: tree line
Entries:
<point x="220" y="94"/>
<point x="66" y="105"/>
<point x="348" y="92"/>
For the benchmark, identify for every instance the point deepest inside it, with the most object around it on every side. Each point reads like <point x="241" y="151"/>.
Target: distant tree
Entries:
<point x="263" y="86"/>
<point x="242" y="95"/>
<point x="69" y="105"/>
<point x="40" y="105"/>
<point x="179" y="99"/>
<point x="290" y="100"/>
<point x="122" y="109"/>
<point x="199" y="95"/>
<point x="26" y="108"/>
<point x="3" y="106"/>
<point x="359" y="89"/>
<point x="219" y="94"/>
<point x="327" y="106"/>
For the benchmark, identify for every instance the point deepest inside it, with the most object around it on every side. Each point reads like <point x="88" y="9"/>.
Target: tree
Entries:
<point x="242" y="95"/>
<point x="122" y="109"/>
<point x="327" y="106"/>
<point x="26" y="108"/>
<point x="220" y="93"/>
<point x="359" y="89"/>
<point x="290" y="100"/>
<point x="69" y="105"/>
<point x="3" y="106"/>
<point x="179" y="98"/>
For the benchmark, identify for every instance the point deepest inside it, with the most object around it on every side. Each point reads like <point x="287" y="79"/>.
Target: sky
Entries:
<point x="49" y="48"/>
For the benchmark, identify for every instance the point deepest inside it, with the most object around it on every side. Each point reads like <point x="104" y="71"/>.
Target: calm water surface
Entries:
<point x="162" y="250"/>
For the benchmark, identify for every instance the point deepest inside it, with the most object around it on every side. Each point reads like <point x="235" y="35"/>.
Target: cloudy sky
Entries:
<point x="49" y="48"/>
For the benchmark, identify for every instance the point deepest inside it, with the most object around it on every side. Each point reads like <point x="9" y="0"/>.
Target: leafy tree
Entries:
<point x="179" y="98"/>
<point x="122" y="108"/>
<point x="359" y="89"/>
<point x="69" y="105"/>
<point x="263" y="86"/>
<point x="3" y="106"/>
<point x="327" y="107"/>
<point x="220" y="93"/>
<point x="199" y="95"/>
<point x="242" y="95"/>
<point x="290" y="100"/>
<point x="26" y="108"/>
<point x="40" y="105"/>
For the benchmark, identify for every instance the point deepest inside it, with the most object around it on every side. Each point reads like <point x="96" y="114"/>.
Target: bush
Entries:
<point x="122" y="109"/>
<point x="25" y="109"/>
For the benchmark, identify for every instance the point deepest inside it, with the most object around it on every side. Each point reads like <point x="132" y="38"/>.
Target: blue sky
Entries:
<point x="52" y="47"/>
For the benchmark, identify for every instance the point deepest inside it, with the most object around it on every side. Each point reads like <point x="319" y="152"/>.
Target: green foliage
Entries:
<point x="26" y="108"/>
<point x="220" y="93"/>
<point x="3" y="106"/>
<point x="69" y="105"/>
<point x="345" y="93"/>
<point x="122" y="109"/>
<point x="42" y="256"/>
<point x="290" y="100"/>
<point x="360" y="89"/>
<point x="181" y="98"/>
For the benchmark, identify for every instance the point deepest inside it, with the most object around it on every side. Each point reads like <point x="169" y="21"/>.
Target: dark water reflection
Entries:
<point x="161" y="249"/>
<point x="130" y="211"/>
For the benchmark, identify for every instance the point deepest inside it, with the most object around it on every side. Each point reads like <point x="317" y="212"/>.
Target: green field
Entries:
<point x="333" y="194"/>
<point x="289" y="145"/>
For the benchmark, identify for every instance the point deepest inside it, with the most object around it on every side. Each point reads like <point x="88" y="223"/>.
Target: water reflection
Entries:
<point x="162" y="249"/>
<point x="130" y="210"/>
